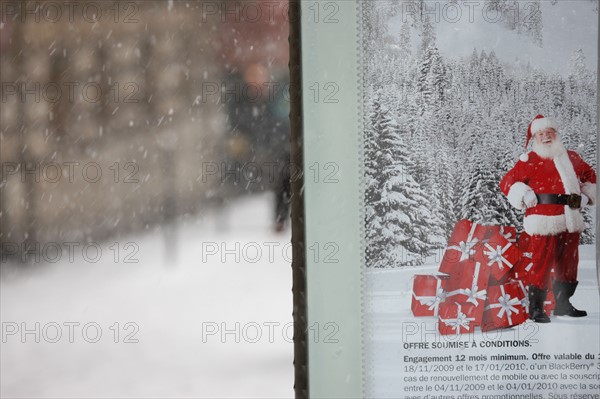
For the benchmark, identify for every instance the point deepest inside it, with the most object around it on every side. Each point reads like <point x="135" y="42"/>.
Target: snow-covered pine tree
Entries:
<point x="557" y="90"/>
<point x="373" y="221"/>
<point x="443" y="188"/>
<point x="582" y="125"/>
<point x="472" y="205"/>
<point x="581" y="100"/>
<point x="481" y="200"/>
<point x="428" y="36"/>
<point x="494" y="158"/>
<point x="398" y="219"/>
<point x="404" y="43"/>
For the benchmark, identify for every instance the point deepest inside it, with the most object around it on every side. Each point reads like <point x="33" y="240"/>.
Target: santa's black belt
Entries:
<point x="572" y="200"/>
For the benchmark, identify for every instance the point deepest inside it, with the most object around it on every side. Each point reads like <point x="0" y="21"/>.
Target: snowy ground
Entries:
<point x="179" y="301"/>
<point x="392" y="325"/>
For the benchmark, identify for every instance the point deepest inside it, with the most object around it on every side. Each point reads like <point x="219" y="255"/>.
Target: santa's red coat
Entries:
<point x="566" y="173"/>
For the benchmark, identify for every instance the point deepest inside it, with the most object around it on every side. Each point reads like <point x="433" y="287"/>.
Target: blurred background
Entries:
<point x="144" y="199"/>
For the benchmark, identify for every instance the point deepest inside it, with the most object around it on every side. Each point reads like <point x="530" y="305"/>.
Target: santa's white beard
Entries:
<point x="549" y="151"/>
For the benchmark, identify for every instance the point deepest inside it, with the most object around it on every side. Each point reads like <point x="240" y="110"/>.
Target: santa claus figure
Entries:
<point x="552" y="185"/>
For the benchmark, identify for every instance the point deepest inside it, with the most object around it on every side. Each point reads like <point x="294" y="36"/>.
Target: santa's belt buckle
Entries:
<point x="574" y="201"/>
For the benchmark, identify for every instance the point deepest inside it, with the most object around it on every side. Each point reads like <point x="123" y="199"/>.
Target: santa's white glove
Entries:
<point x="584" y="200"/>
<point x="530" y="199"/>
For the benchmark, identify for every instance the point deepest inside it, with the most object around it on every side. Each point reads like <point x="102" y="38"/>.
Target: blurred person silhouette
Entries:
<point x="259" y="134"/>
<point x="256" y="54"/>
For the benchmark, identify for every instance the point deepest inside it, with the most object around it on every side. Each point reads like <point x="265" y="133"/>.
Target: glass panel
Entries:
<point x="144" y="199"/>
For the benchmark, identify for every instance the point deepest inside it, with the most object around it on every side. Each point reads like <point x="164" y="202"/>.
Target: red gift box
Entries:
<point x="462" y="245"/>
<point x="428" y="292"/>
<point x="459" y="318"/>
<point x="499" y="254"/>
<point x="468" y="283"/>
<point x="508" y="232"/>
<point x="505" y="307"/>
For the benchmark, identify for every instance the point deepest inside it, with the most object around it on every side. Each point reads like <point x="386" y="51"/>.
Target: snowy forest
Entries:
<point x="440" y="132"/>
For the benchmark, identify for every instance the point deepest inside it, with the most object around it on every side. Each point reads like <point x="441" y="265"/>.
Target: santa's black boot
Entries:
<point x="537" y="296"/>
<point x="562" y="292"/>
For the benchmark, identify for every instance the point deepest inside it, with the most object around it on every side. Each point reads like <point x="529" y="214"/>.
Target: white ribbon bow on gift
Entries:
<point x="473" y="293"/>
<point x="506" y="305"/>
<point x="440" y="296"/>
<point x="433" y="301"/>
<point x="466" y="247"/>
<point x="461" y="321"/>
<point x="496" y="255"/>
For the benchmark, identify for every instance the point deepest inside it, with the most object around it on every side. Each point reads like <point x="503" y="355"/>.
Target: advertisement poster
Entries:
<point x="480" y="270"/>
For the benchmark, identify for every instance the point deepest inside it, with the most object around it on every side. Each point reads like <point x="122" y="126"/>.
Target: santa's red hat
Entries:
<point x="539" y="123"/>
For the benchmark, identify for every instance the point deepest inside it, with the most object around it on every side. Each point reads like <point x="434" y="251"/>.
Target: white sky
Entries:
<point x="567" y="26"/>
